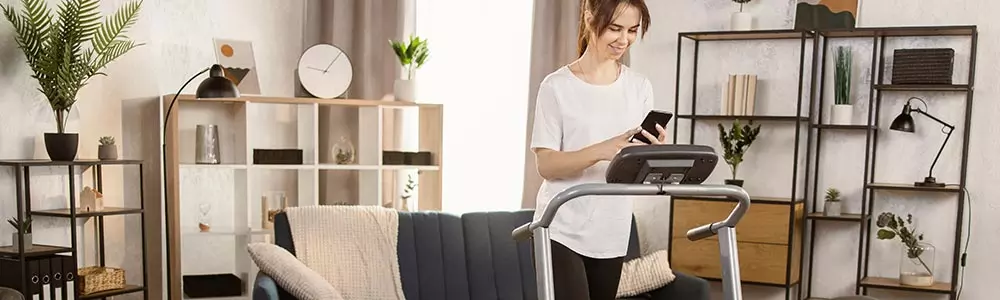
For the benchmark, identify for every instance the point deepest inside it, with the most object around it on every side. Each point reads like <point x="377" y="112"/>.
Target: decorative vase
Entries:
<point x="62" y="146"/>
<point x="272" y="204"/>
<point x="405" y="90"/>
<point x="343" y="152"/>
<point x="736" y="182"/>
<point x="207" y="144"/>
<point x="27" y="242"/>
<point x="842" y="114"/>
<point x="107" y="152"/>
<point x="832" y="208"/>
<point x="741" y="21"/>
<point x="916" y="265"/>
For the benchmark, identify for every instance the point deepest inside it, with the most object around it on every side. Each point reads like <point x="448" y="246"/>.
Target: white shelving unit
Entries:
<point x="228" y="195"/>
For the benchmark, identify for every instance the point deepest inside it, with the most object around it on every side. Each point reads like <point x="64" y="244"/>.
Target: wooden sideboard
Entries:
<point x="769" y="239"/>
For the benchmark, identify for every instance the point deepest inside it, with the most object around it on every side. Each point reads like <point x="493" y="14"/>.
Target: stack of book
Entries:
<point x="740" y="96"/>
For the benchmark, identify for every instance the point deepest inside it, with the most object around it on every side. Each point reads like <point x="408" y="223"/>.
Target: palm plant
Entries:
<point x="736" y="142"/>
<point x="54" y="45"/>
<point x="411" y="54"/>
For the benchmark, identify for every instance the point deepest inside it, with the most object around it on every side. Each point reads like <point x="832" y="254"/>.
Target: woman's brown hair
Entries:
<point x="603" y="12"/>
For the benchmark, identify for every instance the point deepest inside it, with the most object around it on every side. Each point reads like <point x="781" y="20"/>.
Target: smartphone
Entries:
<point x="649" y="124"/>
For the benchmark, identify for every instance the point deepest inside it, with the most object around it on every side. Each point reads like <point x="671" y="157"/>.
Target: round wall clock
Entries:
<point x="325" y="71"/>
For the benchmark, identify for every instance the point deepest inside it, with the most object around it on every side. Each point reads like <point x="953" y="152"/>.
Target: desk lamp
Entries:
<point x="215" y="86"/>
<point x="904" y="122"/>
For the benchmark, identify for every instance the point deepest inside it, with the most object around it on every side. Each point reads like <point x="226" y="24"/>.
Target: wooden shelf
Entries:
<point x="841" y="217"/>
<point x="35" y="251"/>
<point x="924" y="87"/>
<point x="128" y="289"/>
<point x="293" y="100"/>
<point x="107" y="211"/>
<point x="844" y="127"/>
<point x="78" y="162"/>
<point x="911" y="187"/>
<point x="749" y="118"/>
<point x="893" y="284"/>
<point x="906" y="31"/>
<point x="781" y="34"/>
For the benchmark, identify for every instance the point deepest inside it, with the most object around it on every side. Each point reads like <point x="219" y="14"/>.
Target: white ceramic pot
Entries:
<point x="741" y="21"/>
<point x="842" y="114"/>
<point x="832" y="208"/>
<point x="405" y="90"/>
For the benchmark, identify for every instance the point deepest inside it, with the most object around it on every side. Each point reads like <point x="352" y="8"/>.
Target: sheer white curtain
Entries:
<point x="479" y="69"/>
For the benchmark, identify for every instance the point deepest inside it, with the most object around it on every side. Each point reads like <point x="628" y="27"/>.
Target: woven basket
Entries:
<point x="923" y="66"/>
<point x="98" y="279"/>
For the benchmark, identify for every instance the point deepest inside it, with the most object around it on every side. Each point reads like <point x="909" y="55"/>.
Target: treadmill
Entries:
<point x="667" y="170"/>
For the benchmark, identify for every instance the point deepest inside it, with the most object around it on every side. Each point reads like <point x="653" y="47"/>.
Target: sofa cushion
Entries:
<point x="432" y="256"/>
<point x="290" y="273"/>
<point x="499" y="267"/>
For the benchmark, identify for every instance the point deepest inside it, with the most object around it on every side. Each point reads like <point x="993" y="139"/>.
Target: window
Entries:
<point x="480" y="54"/>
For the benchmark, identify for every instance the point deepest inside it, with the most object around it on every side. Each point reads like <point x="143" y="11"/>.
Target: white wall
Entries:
<point x="903" y="158"/>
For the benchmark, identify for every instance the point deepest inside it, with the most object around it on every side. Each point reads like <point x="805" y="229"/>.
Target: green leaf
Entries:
<point x="884" y="234"/>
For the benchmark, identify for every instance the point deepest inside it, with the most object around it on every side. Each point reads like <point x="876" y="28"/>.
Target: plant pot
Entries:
<point x="107" y="152"/>
<point x="832" y="208"/>
<point x="62" y="146"/>
<point x="736" y="182"/>
<point x="27" y="241"/>
<point x="405" y="90"/>
<point x="842" y="114"/>
<point x="916" y="265"/>
<point x="741" y="21"/>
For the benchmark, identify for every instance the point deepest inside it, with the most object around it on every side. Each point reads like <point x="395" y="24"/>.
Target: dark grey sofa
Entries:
<point x="449" y="257"/>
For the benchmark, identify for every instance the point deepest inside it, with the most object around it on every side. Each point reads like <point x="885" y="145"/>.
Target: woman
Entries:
<point x="585" y="113"/>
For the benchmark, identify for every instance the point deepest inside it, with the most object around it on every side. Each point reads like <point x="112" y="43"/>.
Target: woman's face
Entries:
<point x="615" y="40"/>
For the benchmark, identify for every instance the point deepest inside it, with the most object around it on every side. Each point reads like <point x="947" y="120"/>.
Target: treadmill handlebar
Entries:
<point x="616" y="189"/>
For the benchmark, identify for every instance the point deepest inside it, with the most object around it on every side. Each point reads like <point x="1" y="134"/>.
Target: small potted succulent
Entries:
<point x="833" y="207"/>
<point x="107" y="150"/>
<point x="21" y="228"/>
<point x="735" y="144"/>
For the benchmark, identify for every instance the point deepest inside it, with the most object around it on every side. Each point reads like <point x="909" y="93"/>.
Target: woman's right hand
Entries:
<point x="607" y="149"/>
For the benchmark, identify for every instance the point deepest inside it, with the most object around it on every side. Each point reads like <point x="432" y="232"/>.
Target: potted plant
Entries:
<point x="735" y="144"/>
<point x="54" y="46"/>
<point x="833" y="206"/>
<point x="916" y="265"/>
<point x="843" y="111"/>
<point x="407" y="193"/>
<point x="412" y="55"/>
<point x="21" y="228"/>
<point x="107" y="150"/>
<point x="741" y="20"/>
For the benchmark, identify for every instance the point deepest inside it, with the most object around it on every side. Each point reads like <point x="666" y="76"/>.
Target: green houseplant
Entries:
<point x="107" y="150"/>
<point x="735" y="144"/>
<point x="21" y="228"/>
<point x="54" y="47"/>
<point x="916" y="266"/>
<point x="833" y="205"/>
<point x="843" y="111"/>
<point x="412" y="54"/>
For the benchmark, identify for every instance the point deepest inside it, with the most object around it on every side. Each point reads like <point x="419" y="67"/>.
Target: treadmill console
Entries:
<point x="662" y="164"/>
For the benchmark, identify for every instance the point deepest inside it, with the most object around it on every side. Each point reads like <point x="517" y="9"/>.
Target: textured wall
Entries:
<point x="903" y="157"/>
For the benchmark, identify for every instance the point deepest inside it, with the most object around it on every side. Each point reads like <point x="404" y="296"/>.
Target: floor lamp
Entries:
<point x="215" y="86"/>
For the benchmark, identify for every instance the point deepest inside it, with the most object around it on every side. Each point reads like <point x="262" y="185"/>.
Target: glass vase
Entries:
<point x="272" y="204"/>
<point x="343" y="152"/>
<point x="916" y="265"/>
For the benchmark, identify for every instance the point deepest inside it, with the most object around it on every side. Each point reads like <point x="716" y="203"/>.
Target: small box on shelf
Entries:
<point x="422" y="158"/>
<point x="277" y="156"/>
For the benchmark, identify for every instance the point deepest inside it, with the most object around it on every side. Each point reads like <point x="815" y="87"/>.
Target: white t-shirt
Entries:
<point x="571" y="114"/>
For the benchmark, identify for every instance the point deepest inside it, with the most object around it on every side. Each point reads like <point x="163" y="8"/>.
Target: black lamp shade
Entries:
<point x="217" y="85"/>
<point x="903" y="122"/>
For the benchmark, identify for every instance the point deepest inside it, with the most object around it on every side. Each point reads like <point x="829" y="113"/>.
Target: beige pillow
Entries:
<point x="644" y="274"/>
<point x="290" y="273"/>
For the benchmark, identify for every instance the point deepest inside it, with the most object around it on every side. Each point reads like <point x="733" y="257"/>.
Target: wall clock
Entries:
<point x="325" y="71"/>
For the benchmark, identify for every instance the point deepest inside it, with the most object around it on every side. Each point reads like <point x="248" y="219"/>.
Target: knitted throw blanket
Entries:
<point x="353" y="247"/>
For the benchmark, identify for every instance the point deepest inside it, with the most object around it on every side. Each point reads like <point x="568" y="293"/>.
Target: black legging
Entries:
<point x="579" y="277"/>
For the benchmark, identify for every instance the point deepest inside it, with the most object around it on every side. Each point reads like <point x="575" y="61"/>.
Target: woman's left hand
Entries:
<point x="662" y="139"/>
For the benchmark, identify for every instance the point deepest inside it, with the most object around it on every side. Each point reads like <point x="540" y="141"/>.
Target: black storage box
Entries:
<point x="213" y="285"/>
<point x="422" y="158"/>
<point x="923" y="66"/>
<point x="277" y="156"/>
<point x="394" y="158"/>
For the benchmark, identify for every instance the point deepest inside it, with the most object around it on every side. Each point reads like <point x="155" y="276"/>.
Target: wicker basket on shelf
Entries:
<point x="98" y="279"/>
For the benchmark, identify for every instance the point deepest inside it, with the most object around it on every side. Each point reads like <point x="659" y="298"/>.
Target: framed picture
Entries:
<point x="826" y="14"/>
<point x="236" y="57"/>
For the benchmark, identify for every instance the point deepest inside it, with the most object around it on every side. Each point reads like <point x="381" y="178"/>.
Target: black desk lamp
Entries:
<point x="904" y="122"/>
<point x="215" y="86"/>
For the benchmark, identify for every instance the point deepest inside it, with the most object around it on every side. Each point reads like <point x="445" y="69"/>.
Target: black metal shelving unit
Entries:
<point x="878" y="36"/>
<point x="800" y="121"/>
<point x="22" y="177"/>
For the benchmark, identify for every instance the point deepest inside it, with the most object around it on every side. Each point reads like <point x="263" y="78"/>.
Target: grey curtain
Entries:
<point x="553" y="45"/>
